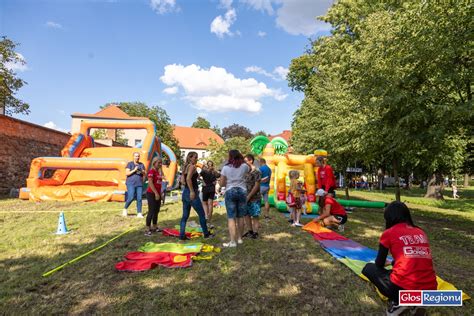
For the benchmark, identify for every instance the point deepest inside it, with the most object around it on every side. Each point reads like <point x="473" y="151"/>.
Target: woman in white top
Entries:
<point x="233" y="179"/>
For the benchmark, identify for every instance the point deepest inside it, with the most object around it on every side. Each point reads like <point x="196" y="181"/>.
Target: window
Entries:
<point x="203" y="154"/>
<point x="137" y="142"/>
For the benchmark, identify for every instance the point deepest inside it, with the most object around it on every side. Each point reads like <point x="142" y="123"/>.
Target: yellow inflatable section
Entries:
<point x="89" y="173"/>
<point x="281" y="165"/>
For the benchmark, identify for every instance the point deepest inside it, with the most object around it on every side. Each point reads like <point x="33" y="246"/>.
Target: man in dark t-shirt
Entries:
<point x="135" y="172"/>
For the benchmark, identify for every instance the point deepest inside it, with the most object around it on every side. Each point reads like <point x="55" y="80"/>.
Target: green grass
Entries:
<point x="284" y="272"/>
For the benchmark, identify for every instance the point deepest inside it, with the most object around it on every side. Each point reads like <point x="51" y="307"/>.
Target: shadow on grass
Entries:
<point x="285" y="272"/>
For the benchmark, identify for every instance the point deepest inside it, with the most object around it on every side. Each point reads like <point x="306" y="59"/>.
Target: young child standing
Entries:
<point x="296" y="190"/>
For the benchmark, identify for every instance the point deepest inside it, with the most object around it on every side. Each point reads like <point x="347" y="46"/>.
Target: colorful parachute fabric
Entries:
<point x="168" y="255"/>
<point x="354" y="255"/>
<point x="175" y="233"/>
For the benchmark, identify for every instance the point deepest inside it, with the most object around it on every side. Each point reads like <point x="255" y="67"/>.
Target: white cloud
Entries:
<point x="53" y="125"/>
<point x="221" y="24"/>
<point x="53" y="25"/>
<point x="164" y="6"/>
<point x="226" y="4"/>
<point x="261" y="34"/>
<point x="260" y="5"/>
<point x="295" y="16"/>
<point x="203" y="114"/>
<point x="279" y="73"/>
<point x="217" y="90"/>
<point x="17" y="66"/>
<point x="170" y="90"/>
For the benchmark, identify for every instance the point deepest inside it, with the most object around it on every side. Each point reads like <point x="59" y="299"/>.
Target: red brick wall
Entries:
<point x="20" y="142"/>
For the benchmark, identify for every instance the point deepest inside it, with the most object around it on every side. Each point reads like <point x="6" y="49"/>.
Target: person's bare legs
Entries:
<point x="255" y="224"/>
<point x="331" y="221"/>
<point x="240" y="227"/>
<point x="298" y="215"/>
<point x="231" y="223"/>
<point x="248" y="223"/>
<point x="206" y="210"/>
<point x="210" y="209"/>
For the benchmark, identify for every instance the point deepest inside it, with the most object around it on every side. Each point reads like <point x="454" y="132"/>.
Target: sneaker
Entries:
<point x="209" y="235"/>
<point x="230" y="244"/>
<point x="240" y="241"/>
<point x="394" y="310"/>
<point x="139" y="215"/>
<point x="298" y="224"/>
<point x="183" y="238"/>
<point x="341" y="228"/>
<point x="148" y="233"/>
<point x="124" y="213"/>
<point x="248" y="234"/>
<point x="293" y="225"/>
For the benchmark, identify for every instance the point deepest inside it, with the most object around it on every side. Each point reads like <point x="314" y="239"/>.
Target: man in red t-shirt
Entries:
<point x="331" y="212"/>
<point x="326" y="179"/>
<point x="413" y="264"/>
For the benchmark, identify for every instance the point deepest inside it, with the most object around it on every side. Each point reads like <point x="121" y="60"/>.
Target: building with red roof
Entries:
<point x="195" y="139"/>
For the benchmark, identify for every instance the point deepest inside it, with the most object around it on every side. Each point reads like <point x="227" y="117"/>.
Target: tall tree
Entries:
<point x="391" y="84"/>
<point x="217" y="130"/>
<point x="9" y="82"/>
<point x="201" y="122"/>
<point x="236" y="130"/>
<point x="157" y="115"/>
<point x="220" y="152"/>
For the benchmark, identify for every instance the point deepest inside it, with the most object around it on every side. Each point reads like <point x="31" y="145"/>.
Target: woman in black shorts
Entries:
<point x="209" y="176"/>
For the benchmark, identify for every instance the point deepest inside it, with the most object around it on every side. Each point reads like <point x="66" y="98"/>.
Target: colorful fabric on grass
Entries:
<point x="143" y="261"/>
<point x="168" y="255"/>
<point x="354" y="255"/>
<point x="175" y="233"/>
<point x="194" y="247"/>
<point x="190" y="229"/>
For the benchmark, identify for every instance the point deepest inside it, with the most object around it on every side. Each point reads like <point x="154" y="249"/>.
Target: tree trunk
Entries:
<point x="397" y="180"/>
<point x="435" y="187"/>
<point x="466" y="180"/>
<point x="346" y="185"/>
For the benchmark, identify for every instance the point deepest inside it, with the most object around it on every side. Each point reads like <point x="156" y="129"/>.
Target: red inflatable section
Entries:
<point x="143" y="261"/>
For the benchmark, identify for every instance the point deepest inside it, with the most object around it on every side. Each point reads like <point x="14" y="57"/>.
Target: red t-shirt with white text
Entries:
<point x="326" y="177"/>
<point x="336" y="208"/>
<point x="413" y="269"/>
<point x="157" y="180"/>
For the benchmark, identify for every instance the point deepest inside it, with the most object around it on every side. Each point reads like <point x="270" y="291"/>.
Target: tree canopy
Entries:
<point x="201" y="122"/>
<point x="391" y="85"/>
<point x="9" y="82"/>
<point x="220" y="152"/>
<point x="236" y="130"/>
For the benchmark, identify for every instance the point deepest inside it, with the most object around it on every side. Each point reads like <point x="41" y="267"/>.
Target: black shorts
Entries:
<point x="208" y="194"/>
<point x="342" y="218"/>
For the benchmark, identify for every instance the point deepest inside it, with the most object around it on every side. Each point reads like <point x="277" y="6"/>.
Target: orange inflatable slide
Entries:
<point x="89" y="173"/>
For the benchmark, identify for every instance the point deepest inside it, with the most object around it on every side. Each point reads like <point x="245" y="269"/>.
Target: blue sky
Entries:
<point x="225" y="60"/>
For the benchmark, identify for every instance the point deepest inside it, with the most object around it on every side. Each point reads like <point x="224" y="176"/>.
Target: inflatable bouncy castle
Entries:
<point x="275" y="152"/>
<point x="85" y="172"/>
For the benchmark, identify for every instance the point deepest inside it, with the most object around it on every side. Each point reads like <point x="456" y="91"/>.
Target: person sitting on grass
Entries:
<point x="331" y="213"/>
<point x="413" y="264"/>
<point x="154" y="195"/>
<point x="254" y="199"/>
